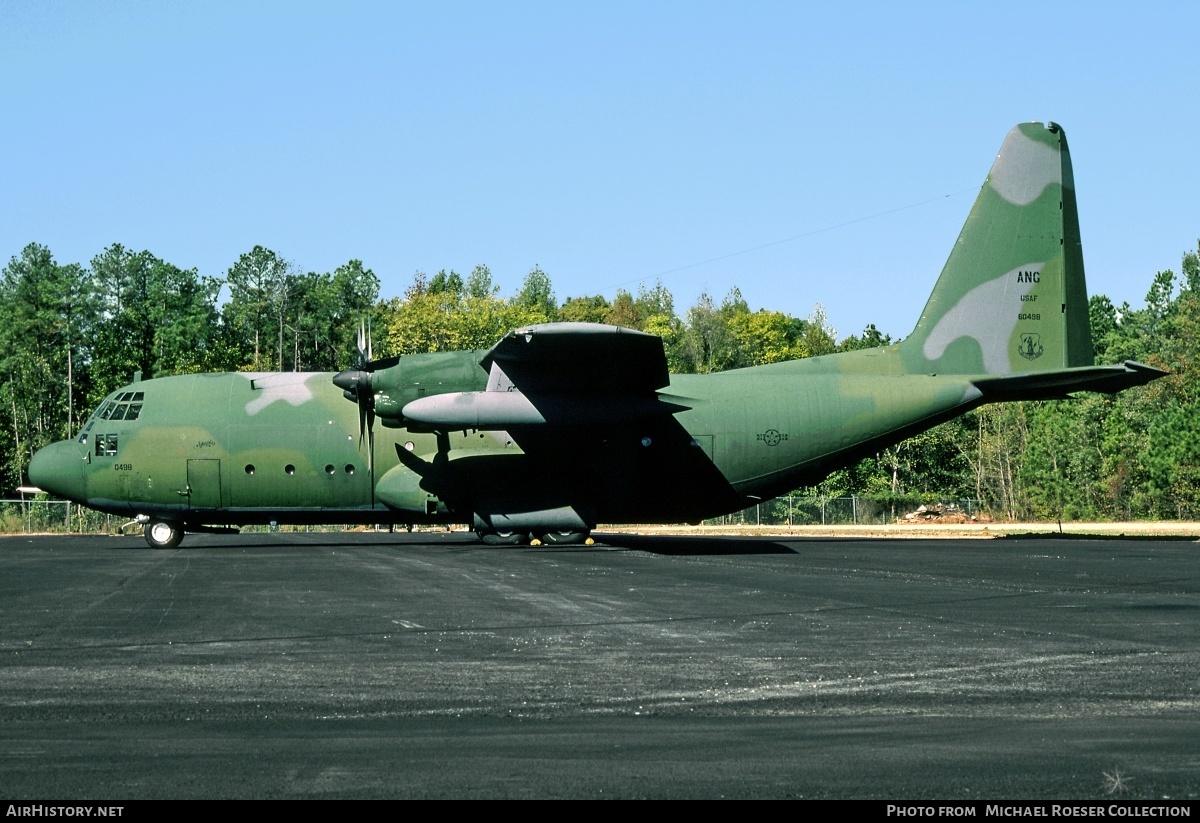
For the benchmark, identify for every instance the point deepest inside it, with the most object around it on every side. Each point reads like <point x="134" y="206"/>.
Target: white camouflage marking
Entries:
<point x="498" y="380"/>
<point x="986" y="314"/>
<point x="272" y="386"/>
<point x="1024" y="168"/>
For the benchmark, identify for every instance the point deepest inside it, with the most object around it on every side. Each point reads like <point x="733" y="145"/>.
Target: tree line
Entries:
<point x="70" y="334"/>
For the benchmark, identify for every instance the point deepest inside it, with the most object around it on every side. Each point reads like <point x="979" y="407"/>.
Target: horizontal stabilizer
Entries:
<point x="1049" y="385"/>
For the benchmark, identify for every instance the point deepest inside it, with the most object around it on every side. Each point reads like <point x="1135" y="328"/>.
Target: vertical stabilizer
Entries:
<point x="1012" y="298"/>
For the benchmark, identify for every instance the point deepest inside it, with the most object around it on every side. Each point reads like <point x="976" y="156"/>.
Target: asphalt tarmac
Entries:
<point x="426" y="665"/>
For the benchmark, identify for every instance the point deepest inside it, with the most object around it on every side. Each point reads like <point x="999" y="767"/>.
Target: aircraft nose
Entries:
<point x="58" y="468"/>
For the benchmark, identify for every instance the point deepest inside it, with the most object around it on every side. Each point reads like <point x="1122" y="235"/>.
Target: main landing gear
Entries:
<point x="519" y="538"/>
<point x="502" y="538"/>
<point x="565" y="538"/>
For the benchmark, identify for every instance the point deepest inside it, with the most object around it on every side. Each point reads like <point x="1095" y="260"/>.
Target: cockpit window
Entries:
<point x="125" y="406"/>
<point x="106" y="445"/>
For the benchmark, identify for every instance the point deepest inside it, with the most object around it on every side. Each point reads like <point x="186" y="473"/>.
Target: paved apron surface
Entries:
<point x="426" y="665"/>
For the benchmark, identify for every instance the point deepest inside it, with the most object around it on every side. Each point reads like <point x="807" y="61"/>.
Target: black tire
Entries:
<point x="565" y="538"/>
<point x="503" y="538"/>
<point x="162" y="535"/>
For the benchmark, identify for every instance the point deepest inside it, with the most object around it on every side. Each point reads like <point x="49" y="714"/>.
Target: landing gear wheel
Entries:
<point x="162" y="535"/>
<point x="565" y="538"/>
<point x="502" y="538"/>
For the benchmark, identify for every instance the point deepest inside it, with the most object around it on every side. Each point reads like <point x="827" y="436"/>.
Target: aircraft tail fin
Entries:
<point x="1011" y="298"/>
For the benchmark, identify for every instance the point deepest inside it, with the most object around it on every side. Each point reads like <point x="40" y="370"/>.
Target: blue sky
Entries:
<point x="799" y="152"/>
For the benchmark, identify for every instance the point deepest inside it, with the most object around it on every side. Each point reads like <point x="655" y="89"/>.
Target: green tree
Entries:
<point x="46" y="316"/>
<point x="709" y="342"/>
<point x="765" y="337"/>
<point x="426" y="320"/>
<point x="324" y="313"/>
<point x="256" y="312"/>
<point x="819" y="336"/>
<point x="451" y="283"/>
<point x="537" y="295"/>
<point x="623" y="312"/>
<point x="657" y="301"/>
<point x="479" y="283"/>
<point x="594" y="309"/>
<point x="155" y="318"/>
<point x="871" y="338"/>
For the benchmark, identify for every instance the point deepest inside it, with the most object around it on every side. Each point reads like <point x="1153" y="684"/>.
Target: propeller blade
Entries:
<point x="360" y="355"/>
<point x="355" y="383"/>
<point x="363" y="413"/>
<point x="371" y="442"/>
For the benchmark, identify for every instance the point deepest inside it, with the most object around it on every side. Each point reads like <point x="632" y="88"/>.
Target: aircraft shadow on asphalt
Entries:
<point x="693" y="545"/>
<point x="345" y="541"/>
<point x="666" y="545"/>
<point x="671" y="545"/>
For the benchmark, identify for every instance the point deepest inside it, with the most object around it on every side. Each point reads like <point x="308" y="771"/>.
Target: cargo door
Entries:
<point x="204" y="484"/>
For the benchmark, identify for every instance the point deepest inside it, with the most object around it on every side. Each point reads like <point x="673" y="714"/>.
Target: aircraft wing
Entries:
<point x="558" y="375"/>
<point x="566" y="358"/>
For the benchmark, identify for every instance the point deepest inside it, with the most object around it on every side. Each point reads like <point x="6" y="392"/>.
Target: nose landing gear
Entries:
<point x="161" y="534"/>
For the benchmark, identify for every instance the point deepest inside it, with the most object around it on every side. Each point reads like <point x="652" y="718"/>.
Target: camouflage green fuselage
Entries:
<point x="562" y="426"/>
<point x="250" y="448"/>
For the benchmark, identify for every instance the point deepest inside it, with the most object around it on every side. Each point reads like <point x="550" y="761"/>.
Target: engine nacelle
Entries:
<point x="414" y="376"/>
<point x="560" y="519"/>
<point x="400" y="488"/>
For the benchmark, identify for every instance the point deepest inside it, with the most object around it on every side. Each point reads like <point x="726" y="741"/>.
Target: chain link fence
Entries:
<point x="34" y="515"/>
<point x="797" y="510"/>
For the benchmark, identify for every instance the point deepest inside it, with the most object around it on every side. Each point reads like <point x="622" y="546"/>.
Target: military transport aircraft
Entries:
<point x="562" y="426"/>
